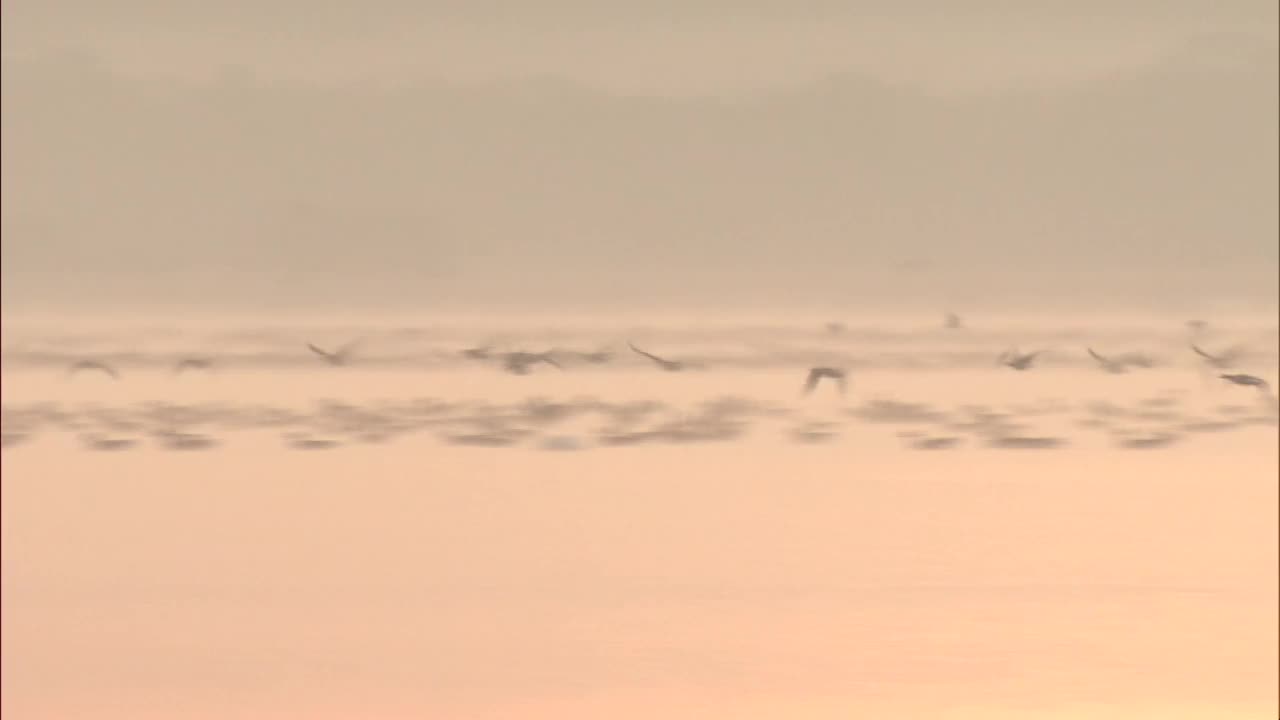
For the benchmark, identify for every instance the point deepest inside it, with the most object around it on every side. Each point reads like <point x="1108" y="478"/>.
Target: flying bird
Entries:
<point x="1108" y="364"/>
<point x="192" y="364"/>
<point x="1247" y="381"/>
<point x="1223" y="361"/>
<point x="1017" y="360"/>
<point x="337" y="357"/>
<point x="598" y="357"/>
<point x="953" y="322"/>
<point x="93" y="365"/>
<point x="518" y="363"/>
<point x="668" y="365"/>
<point x="817" y="374"/>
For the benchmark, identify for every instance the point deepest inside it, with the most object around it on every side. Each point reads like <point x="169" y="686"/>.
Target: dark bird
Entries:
<point x="668" y="365"/>
<point x="337" y="357"/>
<point x="1108" y="364"/>
<point x="1247" y="381"/>
<point x="1223" y="361"/>
<point x="192" y="364"/>
<point x="953" y="322"/>
<point x="817" y="374"/>
<point x="1017" y="360"/>
<point x="519" y="363"/>
<point x="93" y="365"/>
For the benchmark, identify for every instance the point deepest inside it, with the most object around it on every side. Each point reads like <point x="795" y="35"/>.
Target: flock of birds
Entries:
<point x="522" y="363"/>
<point x="1156" y="422"/>
<point x="1123" y="363"/>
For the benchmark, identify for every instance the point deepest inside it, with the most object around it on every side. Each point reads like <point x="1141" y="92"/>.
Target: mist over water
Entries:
<point x="443" y="359"/>
<point x="419" y="528"/>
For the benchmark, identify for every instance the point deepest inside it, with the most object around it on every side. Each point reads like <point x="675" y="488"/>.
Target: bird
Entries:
<point x="817" y="374"/>
<point x="518" y="363"/>
<point x="192" y="363"/>
<point x="953" y="322"/>
<point x="668" y="365"/>
<point x="1247" y="381"/>
<point x="337" y="357"/>
<point x="1017" y="360"/>
<point x="93" y="365"/>
<point x="1110" y="365"/>
<point x="598" y="357"/>
<point x="1223" y="361"/>
<point x="478" y="353"/>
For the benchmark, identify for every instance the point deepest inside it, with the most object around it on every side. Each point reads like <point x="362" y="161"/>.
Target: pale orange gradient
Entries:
<point x="755" y="579"/>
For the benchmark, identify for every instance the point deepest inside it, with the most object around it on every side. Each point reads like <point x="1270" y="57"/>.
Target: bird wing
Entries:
<point x="811" y="382"/>
<point x="1096" y="356"/>
<point x="93" y="365"/>
<point x="1203" y="354"/>
<point x="318" y="351"/>
<point x="651" y="356"/>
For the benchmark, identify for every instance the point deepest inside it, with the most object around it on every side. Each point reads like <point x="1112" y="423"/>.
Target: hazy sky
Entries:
<point x="278" y="148"/>
<point x="671" y="48"/>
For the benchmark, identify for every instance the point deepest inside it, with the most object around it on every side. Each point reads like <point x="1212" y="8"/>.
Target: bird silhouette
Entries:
<point x="1108" y="364"/>
<point x="817" y="374"/>
<point x="84" y="365"/>
<point x="1225" y="360"/>
<point x="668" y="365"/>
<point x="519" y="363"/>
<point x="1247" y="381"/>
<point x="338" y="357"/>
<point x="1017" y="360"/>
<point x="192" y="363"/>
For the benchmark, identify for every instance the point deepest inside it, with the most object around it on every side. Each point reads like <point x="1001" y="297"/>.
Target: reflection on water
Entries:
<point x="610" y="539"/>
